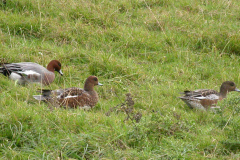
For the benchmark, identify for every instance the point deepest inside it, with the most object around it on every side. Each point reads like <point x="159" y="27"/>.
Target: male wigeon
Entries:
<point x="72" y="97"/>
<point x="29" y="72"/>
<point x="206" y="98"/>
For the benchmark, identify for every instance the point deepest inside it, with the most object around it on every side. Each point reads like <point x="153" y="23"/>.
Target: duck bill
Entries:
<point x="100" y="84"/>
<point x="60" y="72"/>
<point x="237" y="90"/>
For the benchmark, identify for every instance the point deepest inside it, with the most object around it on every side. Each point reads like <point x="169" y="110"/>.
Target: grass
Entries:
<point x="151" y="49"/>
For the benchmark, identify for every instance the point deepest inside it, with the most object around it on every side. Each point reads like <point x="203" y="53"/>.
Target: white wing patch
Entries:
<point x="30" y="72"/>
<point x="201" y="98"/>
<point x="212" y="97"/>
<point x="71" y="97"/>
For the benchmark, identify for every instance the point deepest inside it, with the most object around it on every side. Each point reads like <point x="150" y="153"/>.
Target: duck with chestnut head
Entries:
<point x="29" y="72"/>
<point x="206" y="98"/>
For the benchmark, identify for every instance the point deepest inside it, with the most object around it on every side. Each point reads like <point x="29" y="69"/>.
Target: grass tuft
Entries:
<point x="151" y="49"/>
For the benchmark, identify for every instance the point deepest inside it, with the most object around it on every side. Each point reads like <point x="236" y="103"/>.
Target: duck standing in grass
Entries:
<point x="206" y="98"/>
<point x="29" y="72"/>
<point x="72" y="97"/>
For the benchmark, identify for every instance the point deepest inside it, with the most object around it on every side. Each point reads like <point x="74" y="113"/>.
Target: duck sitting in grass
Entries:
<point x="206" y="98"/>
<point x="72" y="97"/>
<point x="29" y="72"/>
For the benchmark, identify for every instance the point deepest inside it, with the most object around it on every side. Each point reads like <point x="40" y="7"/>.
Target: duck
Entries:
<point x="29" y="72"/>
<point x="205" y="99"/>
<point x="72" y="97"/>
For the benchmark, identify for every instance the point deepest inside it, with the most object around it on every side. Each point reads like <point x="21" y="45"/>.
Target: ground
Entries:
<point x="151" y="49"/>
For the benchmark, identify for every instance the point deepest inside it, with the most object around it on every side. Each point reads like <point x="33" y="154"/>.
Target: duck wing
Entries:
<point x="47" y="94"/>
<point x="23" y="69"/>
<point x="69" y="92"/>
<point x="200" y="94"/>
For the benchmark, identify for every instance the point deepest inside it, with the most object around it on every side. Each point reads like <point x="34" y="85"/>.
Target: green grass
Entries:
<point x="152" y="49"/>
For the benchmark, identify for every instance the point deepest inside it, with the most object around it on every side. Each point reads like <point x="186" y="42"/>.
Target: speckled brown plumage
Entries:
<point x="73" y="97"/>
<point x="207" y="98"/>
<point x="200" y="92"/>
<point x="83" y="98"/>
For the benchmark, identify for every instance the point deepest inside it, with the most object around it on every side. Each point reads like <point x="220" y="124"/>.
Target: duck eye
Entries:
<point x="231" y="84"/>
<point x="95" y="79"/>
<point x="59" y="64"/>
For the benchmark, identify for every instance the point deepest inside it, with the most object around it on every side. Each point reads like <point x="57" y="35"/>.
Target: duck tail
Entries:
<point x="1" y="70"/>
<point x="45" y="95"/>
<point x="45" y="92"/>
<point x="40" y="97"/>
<point x="4" y="70"/>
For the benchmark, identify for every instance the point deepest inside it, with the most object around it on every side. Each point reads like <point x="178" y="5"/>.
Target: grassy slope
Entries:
<point x="152" y="49"/>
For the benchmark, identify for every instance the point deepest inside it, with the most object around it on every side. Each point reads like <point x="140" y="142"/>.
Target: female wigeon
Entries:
<point x="72" y="97"/>
<point x="206" y="98"/>
<point x="29" y="72"/>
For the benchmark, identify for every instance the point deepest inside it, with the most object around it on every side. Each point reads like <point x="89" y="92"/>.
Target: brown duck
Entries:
<point x="207" y="98"/>
<point x="73" y="97"/>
